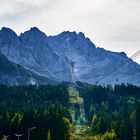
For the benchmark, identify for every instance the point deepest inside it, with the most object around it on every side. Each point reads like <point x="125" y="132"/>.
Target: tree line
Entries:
<point x="111" y="112"/>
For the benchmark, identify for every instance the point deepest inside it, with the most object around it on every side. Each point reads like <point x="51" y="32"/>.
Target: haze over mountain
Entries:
<point x="67" y="57"/>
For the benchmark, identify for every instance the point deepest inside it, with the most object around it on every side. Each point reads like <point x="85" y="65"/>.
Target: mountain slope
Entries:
<point x="92" y="64"/>
<point x="67" y="57"/>
<point x="13" y="74"/>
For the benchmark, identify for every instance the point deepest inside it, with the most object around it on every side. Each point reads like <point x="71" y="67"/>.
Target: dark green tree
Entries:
<point x="137" y="121"/>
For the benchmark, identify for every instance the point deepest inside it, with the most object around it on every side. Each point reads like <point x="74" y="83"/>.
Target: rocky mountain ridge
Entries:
<point x="67" y="57"/>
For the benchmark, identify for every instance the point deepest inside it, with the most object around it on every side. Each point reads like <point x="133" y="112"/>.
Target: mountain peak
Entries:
<point x="72" y="33"/>
<point x="34" y="34"/>
<point x="67" y="33"/>
<point x="34" y="29"/>
<point x="7" y="31"/>
<point x="80" y="34"/>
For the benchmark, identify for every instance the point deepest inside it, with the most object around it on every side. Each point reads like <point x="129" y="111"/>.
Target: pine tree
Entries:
<point x="137" y="121"/>
<point x="128" y="130"/>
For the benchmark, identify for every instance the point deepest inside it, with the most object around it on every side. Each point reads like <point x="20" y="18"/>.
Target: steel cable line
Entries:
<point x="135" y="55"/>
<point x="69" y="62"/>
<point x="71" y="69"/>
<point x="122" y="65"/>
<point x="138" y="55"/>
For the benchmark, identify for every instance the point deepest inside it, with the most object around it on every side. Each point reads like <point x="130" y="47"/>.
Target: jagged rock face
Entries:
<point x="47" y="60"/>
<point x="93" y="64"/>
<point x="10" y="44"/>
<point x="14" y="74"/>
<point x="33" y="52"/>
<point x="67" y="57"/>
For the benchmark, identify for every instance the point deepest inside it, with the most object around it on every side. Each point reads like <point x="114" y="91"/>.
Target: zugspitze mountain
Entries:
<point x="66" y="57"/>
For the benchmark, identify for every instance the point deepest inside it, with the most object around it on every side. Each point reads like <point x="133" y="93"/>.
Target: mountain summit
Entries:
<point x="67" y="57"/>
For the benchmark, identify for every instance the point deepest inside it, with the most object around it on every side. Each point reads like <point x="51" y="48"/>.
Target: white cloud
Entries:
<point x="112" y="24"/>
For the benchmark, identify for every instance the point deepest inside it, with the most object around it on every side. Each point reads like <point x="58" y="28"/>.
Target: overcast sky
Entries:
<point x="111" y="24"/>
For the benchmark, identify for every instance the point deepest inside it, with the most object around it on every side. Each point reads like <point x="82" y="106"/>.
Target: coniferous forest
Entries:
<point x="61" y="112"/>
